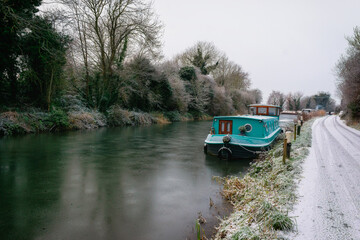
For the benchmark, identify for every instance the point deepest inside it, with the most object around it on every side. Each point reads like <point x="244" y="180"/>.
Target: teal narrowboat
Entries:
<point x="244" y="136"/>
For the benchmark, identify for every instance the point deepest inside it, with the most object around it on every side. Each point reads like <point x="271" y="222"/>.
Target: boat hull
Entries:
<point x="236" y="151"/>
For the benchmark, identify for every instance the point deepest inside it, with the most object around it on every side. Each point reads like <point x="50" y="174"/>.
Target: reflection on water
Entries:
<point x="122" y="183"/>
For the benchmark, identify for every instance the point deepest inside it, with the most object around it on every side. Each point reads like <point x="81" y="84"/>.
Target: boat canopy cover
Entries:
<point x="263" y="105"/>
<point x="255" y="117"/>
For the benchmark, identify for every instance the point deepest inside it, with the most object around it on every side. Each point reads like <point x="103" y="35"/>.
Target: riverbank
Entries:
<point x="265" y="195"/>
<point x="353" y="124"/>
<point x="19" y="122"/>
<point x="349" y="120"/>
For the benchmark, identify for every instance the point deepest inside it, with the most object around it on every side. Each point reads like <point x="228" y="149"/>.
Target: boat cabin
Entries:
<point x="264" y="119"/>
<point x="254" y="126"/>
<point x="265" y="110"/>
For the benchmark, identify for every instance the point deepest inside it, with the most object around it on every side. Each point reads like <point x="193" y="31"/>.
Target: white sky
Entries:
<point x="285" y="45"/>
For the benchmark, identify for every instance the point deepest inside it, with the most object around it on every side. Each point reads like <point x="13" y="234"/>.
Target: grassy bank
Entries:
<point x="265" y="195"/>
<point x="353" y="123"/>
<point x="356" y="126"/>
<point x="17" y="122"/>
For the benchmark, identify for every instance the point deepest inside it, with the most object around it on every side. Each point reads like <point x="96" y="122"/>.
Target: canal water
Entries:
<point x="114" y="183"/>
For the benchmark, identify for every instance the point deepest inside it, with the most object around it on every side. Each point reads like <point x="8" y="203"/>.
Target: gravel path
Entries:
<point x="329" y="203"/>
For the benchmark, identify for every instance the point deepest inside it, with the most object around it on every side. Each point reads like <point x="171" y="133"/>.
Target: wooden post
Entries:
<point x="294" y="132"/>
<point x="285" y="150"/>
<point x="298" y="130"/>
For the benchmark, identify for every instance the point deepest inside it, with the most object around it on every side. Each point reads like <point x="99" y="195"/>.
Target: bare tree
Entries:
<point x="105" y="30"/>
<point x="210" y="60"/>
<point x="307" y="102"/>
<point x="276" y="98"/>
<point x="293" y="101"/>
<point x="348" y="72"/>
<point x="257" y="95"/>
<point x="209" y="53"/>
<point x="231" y="75"/>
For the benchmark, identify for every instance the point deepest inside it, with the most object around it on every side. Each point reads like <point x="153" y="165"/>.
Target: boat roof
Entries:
<point x="256" y="117"/>
<point x="263" y="105"/>
<point x="288" y="113"/>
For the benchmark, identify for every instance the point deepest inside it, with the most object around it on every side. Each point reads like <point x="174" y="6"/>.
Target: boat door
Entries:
<point x="225" y="127"/>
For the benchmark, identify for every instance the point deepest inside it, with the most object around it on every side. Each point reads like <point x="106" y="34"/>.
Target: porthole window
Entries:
<point x="248" y="127"/>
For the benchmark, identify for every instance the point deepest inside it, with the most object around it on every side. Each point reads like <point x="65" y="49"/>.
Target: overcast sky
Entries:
<point x="285" y="45"/>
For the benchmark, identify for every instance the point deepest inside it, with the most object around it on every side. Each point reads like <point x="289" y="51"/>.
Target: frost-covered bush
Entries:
<point x="58" y="119"/>
<point x="79" y="115"/>
<point x="9" y="124"/>
<point x="201" y="92"/>
<point x="221" y="103"/>
<point x="72" y="103"/>
<point x="187" y="73"/>
<point x="180" y="96"/>
<point x="140" y="118"/>
<point x="173" y="116"/>
<point x="145" y="87"/>
<point x="14" y="123"/>
<point x="117" y="116"/>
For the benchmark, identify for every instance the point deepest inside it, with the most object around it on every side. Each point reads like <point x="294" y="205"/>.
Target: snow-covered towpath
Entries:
<point x="329" y="203"/>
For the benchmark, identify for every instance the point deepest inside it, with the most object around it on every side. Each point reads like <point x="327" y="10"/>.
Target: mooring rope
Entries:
<point x="255" y="152"/>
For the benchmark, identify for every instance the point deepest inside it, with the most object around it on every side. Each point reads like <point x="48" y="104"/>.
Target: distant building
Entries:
<point x="308" y="110"/>
<point x="319" y="107"/>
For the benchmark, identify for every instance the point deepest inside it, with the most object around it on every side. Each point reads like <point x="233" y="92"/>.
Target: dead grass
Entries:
<point x="160" y="118"/>
<point x="15" y="123"/>
<point x="12" y="116"/>
<point x="205" y="117"/>
<point x="354" y="124"/>
<point x="81" y="121"/>
<point x="308" y="116"/>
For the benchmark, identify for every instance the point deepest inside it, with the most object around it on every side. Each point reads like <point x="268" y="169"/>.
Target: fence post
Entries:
<point x="295" y="132"/>
<point x="284" y="150"/>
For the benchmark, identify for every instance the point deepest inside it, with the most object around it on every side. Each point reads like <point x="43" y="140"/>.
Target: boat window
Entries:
<point x="225" y="127"/>
<point x="272" y="111"/>
<point x="262" y="110"/>
<point x="252" y="111"/>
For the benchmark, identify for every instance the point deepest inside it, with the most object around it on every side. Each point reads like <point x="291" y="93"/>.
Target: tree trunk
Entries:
<point x="49" y="91"/>
<point x="13" y="83"/>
